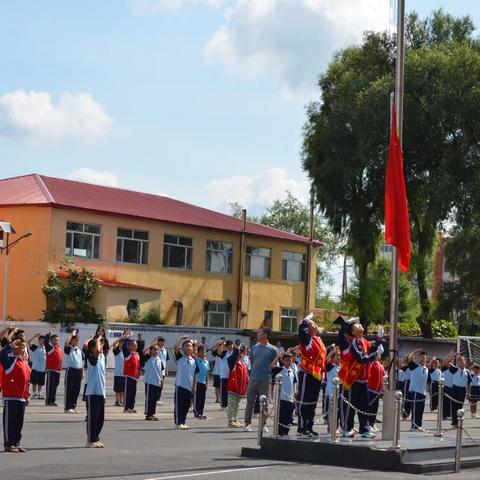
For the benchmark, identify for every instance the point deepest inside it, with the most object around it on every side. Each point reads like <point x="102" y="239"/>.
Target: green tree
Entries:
<point x="68" y="292"/>
<point x="346" y="139"/>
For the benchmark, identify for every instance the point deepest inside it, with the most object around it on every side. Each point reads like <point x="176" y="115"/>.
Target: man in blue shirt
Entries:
<point x="261" y="357"/>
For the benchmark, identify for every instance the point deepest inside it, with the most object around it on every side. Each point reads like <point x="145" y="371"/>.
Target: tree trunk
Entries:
<point x="424" y="320"/>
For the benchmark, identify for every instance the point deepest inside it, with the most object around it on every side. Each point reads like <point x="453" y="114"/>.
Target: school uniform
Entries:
<point x="15" y="377"/>
<point x="246" y="361"/>
<point x="447" y="390"/>
<point x="287" y="398"/>
<point x="224" y="372"/>
<point x="164" y="357"/>
<point x="118" y="378"/>
<point x="216" y="371"/>
<point x="39" y="360"/>
<point x="73" y="376"/>
<point x="400" y="383"/>
<point x="186" y="370"/>
<point x="460" y="381"/>
<point x="375" y="389"/>
<point x="417" y="392"/>
<point x="95" y="396"/>
<point x="53" y="369"/>
<point x="474" y="388"/>
<point x="153" y="380"/>
<point x="332" y="371"/>
<point x="407" y="406"/>
<point x="131" y="372"/>
<point x="313" y="354"/>
<point x="435" y="376"/>
<point x="201" y="391"/>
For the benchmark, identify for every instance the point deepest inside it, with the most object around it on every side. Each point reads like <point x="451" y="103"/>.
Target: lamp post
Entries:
<point x="6" y="229"/>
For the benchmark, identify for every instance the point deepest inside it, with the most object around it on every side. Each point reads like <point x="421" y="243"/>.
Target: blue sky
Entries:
<point x="202" y="100"/>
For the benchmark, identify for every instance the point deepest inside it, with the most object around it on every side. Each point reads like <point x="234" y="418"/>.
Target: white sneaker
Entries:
<point x="247" y="428"/>
<point x="348" y="434"/>
<point x="368" y="435"/>
<point x="265" y="430"/>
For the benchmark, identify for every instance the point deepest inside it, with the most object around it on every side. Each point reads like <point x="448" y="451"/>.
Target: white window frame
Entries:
<point x="143" y="244"/>
<point x="285" y="263"/>
<point x="250" y="256"/>
<point x="227" y="315"/>
<point x="227" y="253"/>
<point x="287" y="313"/>
<point x="186" y="247"/>
<point x="95" y="236"/>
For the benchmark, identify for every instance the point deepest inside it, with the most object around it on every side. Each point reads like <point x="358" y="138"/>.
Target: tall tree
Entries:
<point x="346" y="137"/>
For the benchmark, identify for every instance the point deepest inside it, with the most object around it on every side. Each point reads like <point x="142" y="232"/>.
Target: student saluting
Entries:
<point x="53" y="367"/>
<point x="74" y="372"/>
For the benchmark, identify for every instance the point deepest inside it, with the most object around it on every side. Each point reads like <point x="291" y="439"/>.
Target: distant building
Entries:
<point x="440" y="274"/>
<point x="197" y="266"/>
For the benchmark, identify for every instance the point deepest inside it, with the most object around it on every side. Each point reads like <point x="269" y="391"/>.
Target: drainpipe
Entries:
<point x="179" y="306"/>
<point x="308" y="273"/>
<point x="241" y="267"/>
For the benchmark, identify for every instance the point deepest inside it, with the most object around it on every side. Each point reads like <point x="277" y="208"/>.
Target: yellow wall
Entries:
<point x="28" y="261"/>
<point x="191" y="287"/>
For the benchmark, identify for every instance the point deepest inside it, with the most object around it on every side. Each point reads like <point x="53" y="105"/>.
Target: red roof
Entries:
<point x="41" y="190"/>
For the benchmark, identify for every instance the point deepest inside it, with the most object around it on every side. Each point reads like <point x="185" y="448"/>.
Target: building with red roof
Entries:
<point x="197" y="266"/>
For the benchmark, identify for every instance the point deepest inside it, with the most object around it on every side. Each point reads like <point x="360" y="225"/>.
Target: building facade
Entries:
<point x="196" y="266"/>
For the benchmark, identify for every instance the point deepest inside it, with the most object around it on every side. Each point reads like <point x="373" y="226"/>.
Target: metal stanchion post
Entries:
<point x="441" y="385"/>
<point x="278" y="395"/>
<point x="334" y="410"/>
<point x="261" y="418"/>
<point x="458" y="447"/>
<point x="397" y="419"/>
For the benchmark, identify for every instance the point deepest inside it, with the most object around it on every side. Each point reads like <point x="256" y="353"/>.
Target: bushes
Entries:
<point x="444" y="328"/>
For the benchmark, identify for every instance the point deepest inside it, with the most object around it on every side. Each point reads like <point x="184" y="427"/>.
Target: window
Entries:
<point x="132" y="246"/>
<point x="219" y="257"/>
<point x="268" y="319"/>
<point x="82" y="240"/>
<point x="217" y="314"/>
<point x="386" y="249"/>
<point x="288" y="319"/>
<point x="293" y="266"/>
<point x="177" y="252"/>
<point x="258" y="262"/>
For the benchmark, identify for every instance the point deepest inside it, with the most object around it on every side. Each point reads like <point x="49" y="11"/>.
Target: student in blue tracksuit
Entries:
<point x="460" y="384"/>
<point x="184" y="381"/>
<point x="73" y="373"/>
<point x="118" y="378"/>
<point x="95" y="392"/>
<point x="474" y="394"/>
<point x="164" y="357"/>
<point x="435" y="376"/>
<point x="222" y="350"/>
<point x="448" y="386"/>
<point x="203" y="367"/>
<point x="418" y="386"/>
<point x="153" y="379"/>
<point x="39" y="361"/>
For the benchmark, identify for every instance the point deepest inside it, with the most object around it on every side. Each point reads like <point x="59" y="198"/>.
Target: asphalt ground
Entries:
<point x="140" y="450"/>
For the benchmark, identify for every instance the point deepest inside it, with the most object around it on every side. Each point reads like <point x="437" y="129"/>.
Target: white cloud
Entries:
<point x="148" y="7"/>
<point x="292" y="40"/>
<point x="90" y="175"/>
<point x="35" y="116"/>
<point x="255" y="192"/>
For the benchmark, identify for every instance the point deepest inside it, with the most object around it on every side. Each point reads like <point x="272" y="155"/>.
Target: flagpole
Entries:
<point x="388" y="427"/>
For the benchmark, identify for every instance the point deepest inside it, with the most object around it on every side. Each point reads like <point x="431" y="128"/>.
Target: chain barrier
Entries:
<point x="473" y="440"/>
<point x="357" y="409"/>
<point x="454" y="399"/>
<point x="421" y="400"/>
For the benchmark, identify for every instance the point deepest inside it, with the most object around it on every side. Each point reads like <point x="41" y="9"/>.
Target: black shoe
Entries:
<point x="314" y="433"/>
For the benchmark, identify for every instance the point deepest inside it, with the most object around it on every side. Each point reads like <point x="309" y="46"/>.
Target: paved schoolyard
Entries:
<point x="139" y="450"/>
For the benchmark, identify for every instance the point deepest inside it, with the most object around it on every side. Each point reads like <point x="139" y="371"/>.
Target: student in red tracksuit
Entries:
<point x="236" y="385"/>
<point x="375" y="390"/>
<point x="15" y="378"/>
<point x="53" y="367"/>
<point x="131" y="372"/>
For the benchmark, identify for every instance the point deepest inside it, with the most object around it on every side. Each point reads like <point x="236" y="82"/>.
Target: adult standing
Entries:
<point x="261" y="357"/>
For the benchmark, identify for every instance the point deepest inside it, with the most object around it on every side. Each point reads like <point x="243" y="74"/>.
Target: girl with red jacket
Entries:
<point x="236" y="386"/>
<point x="131" y="372"/>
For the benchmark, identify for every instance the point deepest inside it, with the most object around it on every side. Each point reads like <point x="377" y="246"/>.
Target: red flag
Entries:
<point x="397" y="226"/>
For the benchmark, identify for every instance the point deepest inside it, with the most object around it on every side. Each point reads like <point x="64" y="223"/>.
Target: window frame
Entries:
<point x="227" y="313"/>
<point x="133" y="239"/>
<point x="248" y="258"/>
<point x="303" y="267"/>
<point x="178" y="245"/>
<point x="228" y="254"/>
<point x="293" y="320"/>
<point x="72" y="233"/>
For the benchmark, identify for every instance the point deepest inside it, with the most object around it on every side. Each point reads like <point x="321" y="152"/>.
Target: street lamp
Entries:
<point x="5" y="230"/>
